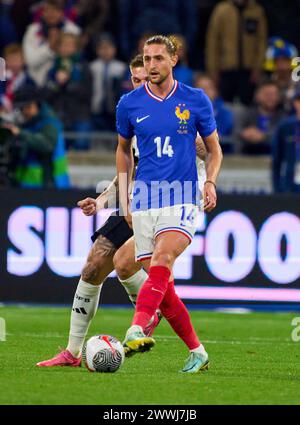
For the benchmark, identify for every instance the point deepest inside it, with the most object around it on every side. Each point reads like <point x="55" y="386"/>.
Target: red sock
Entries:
<point x="151" y="295"/>
<point x="178" y="316"/>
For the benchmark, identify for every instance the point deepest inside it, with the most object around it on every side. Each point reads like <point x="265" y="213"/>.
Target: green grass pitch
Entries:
<point x="253" y="361"/>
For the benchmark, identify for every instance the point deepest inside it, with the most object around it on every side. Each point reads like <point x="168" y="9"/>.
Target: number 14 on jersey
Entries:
<point x="166" y="149"/>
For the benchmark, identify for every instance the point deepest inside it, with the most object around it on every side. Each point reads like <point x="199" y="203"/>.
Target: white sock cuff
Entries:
<point x="140" y="275"/>
<point x="200" y="350"/>
<point x="88" y="288"/>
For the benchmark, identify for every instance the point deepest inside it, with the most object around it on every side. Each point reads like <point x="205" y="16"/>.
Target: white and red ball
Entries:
<point x="103" y="353"/>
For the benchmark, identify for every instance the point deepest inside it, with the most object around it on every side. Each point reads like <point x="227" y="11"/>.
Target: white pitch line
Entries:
<point x="262" y="341"/>
<point x="251" y="341"/>
<point x="35" y="335"/>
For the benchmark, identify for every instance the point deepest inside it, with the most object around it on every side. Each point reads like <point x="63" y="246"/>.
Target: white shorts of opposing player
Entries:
<point x="201" y="179"/>
<point x="147" y="225"/>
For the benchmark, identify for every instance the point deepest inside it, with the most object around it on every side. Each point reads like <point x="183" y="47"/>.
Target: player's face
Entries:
<point x="138" y="76"/>
<point x="158" y="63"/>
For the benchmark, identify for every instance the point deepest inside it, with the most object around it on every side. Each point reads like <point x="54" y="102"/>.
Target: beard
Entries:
<point x="158" y="79"/>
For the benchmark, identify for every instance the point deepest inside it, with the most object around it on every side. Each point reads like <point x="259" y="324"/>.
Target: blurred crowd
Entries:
<point x="71" y="57"/>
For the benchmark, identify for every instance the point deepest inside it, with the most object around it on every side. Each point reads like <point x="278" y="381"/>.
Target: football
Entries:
<point x="103" y="353"/>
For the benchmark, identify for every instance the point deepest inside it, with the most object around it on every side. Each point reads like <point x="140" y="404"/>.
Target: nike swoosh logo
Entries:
<point x="142" y="119"/>
<point x="153" y="289"/>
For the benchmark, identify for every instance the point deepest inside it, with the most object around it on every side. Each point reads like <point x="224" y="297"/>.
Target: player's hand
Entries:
<point x="88" y="206"/>
<point x="210" y="196"/>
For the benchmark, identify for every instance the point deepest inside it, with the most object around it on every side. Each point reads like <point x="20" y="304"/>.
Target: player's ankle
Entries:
<point x="199" y="350"/>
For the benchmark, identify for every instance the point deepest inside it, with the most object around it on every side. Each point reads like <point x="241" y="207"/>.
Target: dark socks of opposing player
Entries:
<point x="158" y="292"/>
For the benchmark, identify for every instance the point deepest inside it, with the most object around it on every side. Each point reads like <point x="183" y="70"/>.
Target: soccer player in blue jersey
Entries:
<point x="165" y="116"/>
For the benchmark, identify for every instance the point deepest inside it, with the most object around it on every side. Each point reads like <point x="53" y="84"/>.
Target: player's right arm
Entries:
<point x="125" y="165"/>
<point x="108" y="197"/>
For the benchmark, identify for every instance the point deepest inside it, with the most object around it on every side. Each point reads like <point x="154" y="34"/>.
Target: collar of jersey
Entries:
<point x="161" y="99"/>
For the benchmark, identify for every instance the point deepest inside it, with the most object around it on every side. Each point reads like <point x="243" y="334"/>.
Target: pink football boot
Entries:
<point x="64" y="358"/>
<point x="153" y="323"/>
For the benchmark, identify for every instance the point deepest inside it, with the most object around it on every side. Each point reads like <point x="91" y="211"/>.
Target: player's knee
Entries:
<point x="90" y="273"/>
<point x="162" y="258"/>
<point x="122" y="266"/>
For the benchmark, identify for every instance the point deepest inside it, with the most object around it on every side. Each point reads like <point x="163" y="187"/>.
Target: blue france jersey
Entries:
<point x="166" y="130"/>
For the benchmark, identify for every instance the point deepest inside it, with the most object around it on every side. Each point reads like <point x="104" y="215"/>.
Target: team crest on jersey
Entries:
<point x="183" y="115"/>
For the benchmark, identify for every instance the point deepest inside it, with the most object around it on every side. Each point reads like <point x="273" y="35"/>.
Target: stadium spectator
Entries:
<point x="107" y="73"/>
<point x="286" y="152"/>
<point x="223" y="115"/>
<point x="16" y="76"/>
<point x="279" y="57"/>
<point x="260" y="121"/>
<point x="68" y="89"/>
<point x="39" y="151"/>
<point x="182" y="71"/>
<point x="41" y="39"/>
<point x="235" y="47"/>
<point x="138" y="17"/>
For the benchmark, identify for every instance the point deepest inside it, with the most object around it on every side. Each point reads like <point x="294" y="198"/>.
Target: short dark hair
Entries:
<point x="137" y="61"/>
<point x="265" y="83"/>
<point x="26" y="95"/>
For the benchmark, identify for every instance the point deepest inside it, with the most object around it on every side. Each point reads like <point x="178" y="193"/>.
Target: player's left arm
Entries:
<point x="212" y="164"/>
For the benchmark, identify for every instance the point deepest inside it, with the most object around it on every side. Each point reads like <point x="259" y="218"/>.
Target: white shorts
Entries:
<point x="151" y="223"/>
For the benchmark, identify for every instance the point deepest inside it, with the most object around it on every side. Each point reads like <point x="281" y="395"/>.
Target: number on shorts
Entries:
<point x="187" y="216"/>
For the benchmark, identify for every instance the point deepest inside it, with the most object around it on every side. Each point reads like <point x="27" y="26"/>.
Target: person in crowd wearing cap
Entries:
<point x="286" y="152"/>
<point x="41" y="39"/>
<point x="279" y="63"/>
<point x="41" y="152"/>
<point x="107" y="73"/>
